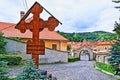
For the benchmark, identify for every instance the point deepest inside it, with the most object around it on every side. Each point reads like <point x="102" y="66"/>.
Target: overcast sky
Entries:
<point x="76" y="15"/>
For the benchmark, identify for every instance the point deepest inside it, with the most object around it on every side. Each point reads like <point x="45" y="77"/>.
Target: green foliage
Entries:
<point x="3" y="70"/>
<point x="117" y="29"/>
<point x="65" y="35"/>
<point x="89" y="36"/>
<point x="30" y="72"/>
<point x="106" y="67"/>
<point x="73" y="59"/>
<point x="76" y="37"/>
<point x="114" y="57"/>
<point x="68" y="48"/>
<point x="3" y="42"/>
<point x="115" y="48"/>
<point x="116" y="1"/>
<point x="11" y="59"/>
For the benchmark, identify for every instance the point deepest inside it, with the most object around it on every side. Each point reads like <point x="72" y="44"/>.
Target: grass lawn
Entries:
<point x="106" y="67"/>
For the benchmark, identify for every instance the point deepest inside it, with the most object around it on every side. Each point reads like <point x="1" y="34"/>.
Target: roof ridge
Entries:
<point x="7" y="27"/>
<point x="6" y="22"/>
<point x="61" y="35"/>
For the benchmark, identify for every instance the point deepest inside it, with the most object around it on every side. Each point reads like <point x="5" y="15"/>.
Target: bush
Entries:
<point x="3" y="70"/>
<point x="11" y="59"/>
<point x="30" y="72"/>
<point x="106" y="67"/>
<point x="73" y="59"/>
<point x="3" y="42"/>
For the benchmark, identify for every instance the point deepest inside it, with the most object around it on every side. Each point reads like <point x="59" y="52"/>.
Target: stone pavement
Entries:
<point x="80" y="70"/>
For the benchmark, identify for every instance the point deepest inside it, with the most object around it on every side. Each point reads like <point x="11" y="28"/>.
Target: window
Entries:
<point x="106" y="59"/>
<point x="54" y="46"/>
<point x="99" y="58"/>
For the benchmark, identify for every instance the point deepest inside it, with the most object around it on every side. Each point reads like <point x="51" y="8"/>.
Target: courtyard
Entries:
<point x="80" y="70"/>
<point x="55" y="50"/>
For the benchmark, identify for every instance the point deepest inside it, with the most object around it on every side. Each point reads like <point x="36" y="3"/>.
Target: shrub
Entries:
<point x="11" y="59"/>
<point x="30" y="72"/>
<point x="3" y="42"/>
<point x="3" y="70"/>
<point x="73" y="59"/>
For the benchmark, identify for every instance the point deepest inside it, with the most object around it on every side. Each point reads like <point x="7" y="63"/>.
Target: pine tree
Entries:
<point x="30" y="72"/>
<point x="117" y="29"/>
<point x="3" y="70"/>
<point x="116" y="1"/>
<point x="114" y="57"/>
<point x="2" y="44"/>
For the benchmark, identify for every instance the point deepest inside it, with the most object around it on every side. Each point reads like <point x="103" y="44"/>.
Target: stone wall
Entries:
<point x="15" y="47"/>
<point x="51" y="56"/>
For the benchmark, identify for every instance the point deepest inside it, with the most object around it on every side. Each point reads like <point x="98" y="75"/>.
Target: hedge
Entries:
<point x="11" y="59"/>
<point x="73" y="59"/>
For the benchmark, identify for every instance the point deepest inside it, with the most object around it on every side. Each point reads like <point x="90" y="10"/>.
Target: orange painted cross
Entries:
<point x="37" y="24"/>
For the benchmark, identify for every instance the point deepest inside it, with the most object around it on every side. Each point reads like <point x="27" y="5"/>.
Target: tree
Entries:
<point x="117" y="25"/>
<point x="114" y="57"/>
<point x="76" y="37"/>
<point x="3" y="42"/>
<point x="68" y="47"/>
<point x="117" y="29"/>
<point x="30" y="72"/>
<point x="116" y="1"/>
<point x="65" y="35"/>
<point x="3" y="70"/>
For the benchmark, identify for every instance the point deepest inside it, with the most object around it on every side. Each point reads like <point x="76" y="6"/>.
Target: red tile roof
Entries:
<point x="9" y="31"/>
<point x="102" y="53"/>
<point x="78" y="45"/>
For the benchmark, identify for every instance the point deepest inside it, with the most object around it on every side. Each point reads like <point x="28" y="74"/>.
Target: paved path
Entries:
<point x="81" y="70"/>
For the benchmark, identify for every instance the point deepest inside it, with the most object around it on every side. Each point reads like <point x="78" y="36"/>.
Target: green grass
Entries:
<point x="106" y="67"/>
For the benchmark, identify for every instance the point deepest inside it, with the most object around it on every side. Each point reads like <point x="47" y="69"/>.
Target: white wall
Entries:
<point x="51" y="56"/>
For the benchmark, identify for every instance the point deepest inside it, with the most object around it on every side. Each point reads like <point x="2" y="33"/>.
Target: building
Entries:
<point x="96" y="50"/>
<point x="52" y="39"/>
<point x="55" y="44"/>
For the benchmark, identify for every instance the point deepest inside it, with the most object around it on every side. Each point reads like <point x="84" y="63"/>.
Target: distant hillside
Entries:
<point x="89" y="36"/>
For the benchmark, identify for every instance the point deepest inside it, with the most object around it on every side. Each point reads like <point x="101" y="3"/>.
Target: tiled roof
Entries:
<point x="102" y="53"/>
<point x="77" y="45"/>
<point x="9" y="31"/>
<point x="103" y="43"/>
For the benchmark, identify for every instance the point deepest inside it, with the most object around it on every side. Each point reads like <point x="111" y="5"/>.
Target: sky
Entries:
<point x="75" y="15"/>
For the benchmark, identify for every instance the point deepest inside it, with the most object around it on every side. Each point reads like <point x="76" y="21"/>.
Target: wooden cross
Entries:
<point x="36" y="25"/>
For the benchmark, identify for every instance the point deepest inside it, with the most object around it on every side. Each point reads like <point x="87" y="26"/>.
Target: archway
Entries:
<point x="84" y="55"/>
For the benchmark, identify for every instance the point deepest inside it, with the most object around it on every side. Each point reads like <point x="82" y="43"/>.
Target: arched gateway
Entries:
<point x="85" y="53"/>
<point x="92" y="50"/>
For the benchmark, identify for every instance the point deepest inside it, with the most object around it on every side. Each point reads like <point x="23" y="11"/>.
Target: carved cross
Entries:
<point x="36" y="25"/>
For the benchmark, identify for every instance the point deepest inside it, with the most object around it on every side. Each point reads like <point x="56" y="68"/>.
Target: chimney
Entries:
<point x="22" y="13"/>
